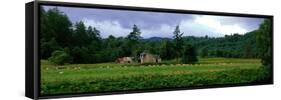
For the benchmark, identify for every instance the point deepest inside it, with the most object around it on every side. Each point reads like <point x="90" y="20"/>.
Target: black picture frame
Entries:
<point x="32" y="67"/>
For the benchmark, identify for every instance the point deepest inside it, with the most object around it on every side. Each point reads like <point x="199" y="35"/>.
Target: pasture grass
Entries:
<point x="103" y="77"/>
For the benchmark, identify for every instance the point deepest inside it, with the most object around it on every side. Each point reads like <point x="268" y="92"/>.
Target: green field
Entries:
<point x="81" y="78"/>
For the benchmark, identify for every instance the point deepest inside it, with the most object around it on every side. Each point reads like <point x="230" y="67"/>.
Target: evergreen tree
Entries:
<point x="178" y="40"/>
<point x="134" y="36"/>
<point x="133" y="40"/>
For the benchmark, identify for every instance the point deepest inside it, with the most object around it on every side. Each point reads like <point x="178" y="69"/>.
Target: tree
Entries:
<point x="55" y="24"/>
<point x="178" y="41"/>
<point x="132" y="41"/>
<point x="80" y="34"/>
<point x="167" y="50"/>
<point x="81" y="55"/>
<point x="55" y="31"/>
<point x="93" y="33"/>
<point x="264" y="42"/>
<point x="47" y="47"/>
<point x="206" y="36"/>
<point x="219" y="53"/>
<point x="110" y="42"/>
<point x="204" y="52"/>
<point x="134" y="36"/>
<point x="111" y="48"/>
<point x="189" y="55"/>
<point x="248" y="52"/>
<point x="95" y="40"/>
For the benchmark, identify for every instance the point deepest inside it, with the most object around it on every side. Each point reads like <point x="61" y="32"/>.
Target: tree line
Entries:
<point x="64" y="42"/>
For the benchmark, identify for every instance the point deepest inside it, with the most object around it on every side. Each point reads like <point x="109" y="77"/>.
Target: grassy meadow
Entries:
<point x="102" y="77"/>
<point x="102" y="51"/>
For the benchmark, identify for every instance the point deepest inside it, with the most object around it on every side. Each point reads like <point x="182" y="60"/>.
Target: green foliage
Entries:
<point x="167" y="50"/>
<point x="134" y="36"/>
<point x="80" y="34"/>
<point x="204" y="52"/>
<point x="60" y="57"/>
<point x="93" y="33"/>
<point x="230" y="46"/>
<point x="47" y="47"/>
<point x="55" y="24"/>
<point x="189" y="55"/>
<point x="57" y="33"/>
<point x="264" y="40"/>
<point x="79" y="54"/>
<point x="178" y="40"/>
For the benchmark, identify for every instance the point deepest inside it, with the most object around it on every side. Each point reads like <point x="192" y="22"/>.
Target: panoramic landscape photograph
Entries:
<point x="94" y="50"/>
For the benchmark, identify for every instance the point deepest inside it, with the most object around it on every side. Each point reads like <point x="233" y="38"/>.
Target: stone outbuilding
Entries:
<point x="149" y="58"/>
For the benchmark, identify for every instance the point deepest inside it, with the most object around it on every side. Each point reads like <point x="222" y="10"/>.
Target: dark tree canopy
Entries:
<point x="167" y="50"/>
<point x="189" y="55"/>
<point x="204" y="52"/>
<point x="80" y="36"/>
<point x="264" y="40"/>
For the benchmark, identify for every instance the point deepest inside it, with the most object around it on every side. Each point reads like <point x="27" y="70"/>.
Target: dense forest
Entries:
<point x="62" y="41"/>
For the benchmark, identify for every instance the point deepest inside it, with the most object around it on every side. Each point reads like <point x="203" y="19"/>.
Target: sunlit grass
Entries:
<point x="77" y="78"/>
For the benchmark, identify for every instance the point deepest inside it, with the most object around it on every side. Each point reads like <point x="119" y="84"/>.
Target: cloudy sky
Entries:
<point x="155" y="24"/>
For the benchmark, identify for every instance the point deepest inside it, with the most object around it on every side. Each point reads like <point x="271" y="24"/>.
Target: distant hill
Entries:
<point x="234" y="46"/>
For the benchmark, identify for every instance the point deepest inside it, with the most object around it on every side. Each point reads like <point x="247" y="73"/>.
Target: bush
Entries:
<point x="60" y="57"/>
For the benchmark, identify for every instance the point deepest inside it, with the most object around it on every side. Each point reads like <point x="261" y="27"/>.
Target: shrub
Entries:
<point x="60" y="57"/>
